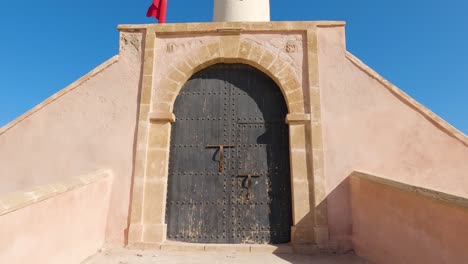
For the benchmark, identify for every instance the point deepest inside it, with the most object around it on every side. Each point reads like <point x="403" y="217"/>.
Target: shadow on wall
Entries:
<point x="391" y="222"/>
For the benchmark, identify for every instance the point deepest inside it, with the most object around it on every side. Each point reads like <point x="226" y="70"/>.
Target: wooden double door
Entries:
<point x="229" y="174"/>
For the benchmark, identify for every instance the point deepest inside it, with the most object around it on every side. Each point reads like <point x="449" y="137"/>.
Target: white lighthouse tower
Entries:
<point x="241" y="10"/>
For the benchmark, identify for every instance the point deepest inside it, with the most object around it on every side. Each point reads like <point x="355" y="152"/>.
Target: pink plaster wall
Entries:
<point x="87" y="128"/>
<point x="394" y="226"/>
<point x="63" y="229"/>
<point x="367" y="128"/>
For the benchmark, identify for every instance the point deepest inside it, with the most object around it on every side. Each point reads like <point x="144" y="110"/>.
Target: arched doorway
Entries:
<point x="229" y="172"/>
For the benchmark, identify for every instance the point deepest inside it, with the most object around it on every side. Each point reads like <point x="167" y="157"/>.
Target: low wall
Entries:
<point x="398" y="223"/>
<point x="56" y="223"/>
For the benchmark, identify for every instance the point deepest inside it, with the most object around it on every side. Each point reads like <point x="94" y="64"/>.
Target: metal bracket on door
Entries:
<point x="221" y="154"/>
<point x="248" y="182"/>
<point x="248" y="179"/>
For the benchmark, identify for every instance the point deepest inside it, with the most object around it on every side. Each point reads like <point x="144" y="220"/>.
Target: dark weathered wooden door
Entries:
<point x="235" y="114"/>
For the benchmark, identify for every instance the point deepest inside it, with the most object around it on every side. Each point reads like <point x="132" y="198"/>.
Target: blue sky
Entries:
<point x="421" y="46"/>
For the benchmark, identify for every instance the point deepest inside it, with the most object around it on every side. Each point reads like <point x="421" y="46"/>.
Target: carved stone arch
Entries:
<point x="244" y="52"/>
<point x="147" y="220"/>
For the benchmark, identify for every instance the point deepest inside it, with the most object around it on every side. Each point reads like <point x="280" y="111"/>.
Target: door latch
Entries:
<point x="221" y="154"/>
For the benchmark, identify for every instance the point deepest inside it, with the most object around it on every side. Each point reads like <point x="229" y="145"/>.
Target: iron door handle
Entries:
<point x="248" y="179"/>
<point x="221" y="154"/>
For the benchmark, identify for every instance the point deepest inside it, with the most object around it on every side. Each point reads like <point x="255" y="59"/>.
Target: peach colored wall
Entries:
<point x="394" y="226"/>
<point x="366" y="127"/>
<point x="63" y="229"/>
<point x="83" y="128"/>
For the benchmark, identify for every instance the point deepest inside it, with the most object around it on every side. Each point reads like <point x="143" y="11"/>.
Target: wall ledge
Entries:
<point x="408" y="100"/>
<point x="297" y="118"/>
<point x="14" y="201"/>
<point x="61" y="93"/>
<point x="162" y="117"/>
<point x="176" y="28"/>
<point x="440" y="196"/>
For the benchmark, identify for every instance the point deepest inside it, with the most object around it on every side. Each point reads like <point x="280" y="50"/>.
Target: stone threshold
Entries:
<point x="173" y="246"/>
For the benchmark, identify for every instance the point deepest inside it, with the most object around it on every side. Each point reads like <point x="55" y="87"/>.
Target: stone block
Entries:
<point x="314" y="79"/>
<point x="299" y="168"/>
<point x="302" y="235"/>
<point x="203" y="54"/>
<point x="286" y="74"/>
<point x="277" y="67"/>
<point x="159" y="135"/>
<point x="321" y="212"/>
<point x="146" y="91"/>
<point x="165" y="96"/>
<point x="157" y="164"/>
<point x="302" y="207"/>
<point x="230" y="46"/>
<point x="317" y="142"/>
<point x="312" y="41"/>
<point x="144" y="110"/>
<point x="149" y="58"/>
<point x="245" y="49"/>
<point x="297" y="118"/>
<point x="297" y="107"/>
<point x="154" y="233"/>
<point x="148" y="66"/>
<point x="215" y="50"/>
<point x="150" y="39"/>
<point x="322" y="236"/>
<point x="147" y="81"/>
<point x="161" y="107"/>
<point x="154" y="208"/>
<point x="295" y="96"/>
<point x="256" y="53"/>
<point x="267" y="59"/>
<point x="137" y="204"/>
<point x="161" y="118"/>
<point x="177" y="76"/>
<point x="135" y="232"/>
<point x="315" y="98"/>
<point x="292" y="84"/>
<point x="184" y="68"/>
<point x="297" y="136"/>
<point x="142" y="135"/>
<point x="191" y="60"/>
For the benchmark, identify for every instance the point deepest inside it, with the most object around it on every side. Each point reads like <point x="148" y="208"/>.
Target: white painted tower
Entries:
<point x="241" y="10"/>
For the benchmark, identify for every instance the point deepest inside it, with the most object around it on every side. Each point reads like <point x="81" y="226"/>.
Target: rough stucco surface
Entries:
<point x="88" y="128"/>
<point x="394" y="226"/>
<point x="369" y="129"/>
<point x="66" y="228"/>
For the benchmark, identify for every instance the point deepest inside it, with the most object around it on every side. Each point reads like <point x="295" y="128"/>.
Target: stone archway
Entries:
<point x="230" y="51"/>
<point x="147" y="221"/>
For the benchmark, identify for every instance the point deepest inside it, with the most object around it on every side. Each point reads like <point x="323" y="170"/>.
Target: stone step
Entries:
<point x="173" y="246"/>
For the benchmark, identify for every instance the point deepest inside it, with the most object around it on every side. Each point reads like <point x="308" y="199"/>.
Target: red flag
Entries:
<point x="158" y="10"/>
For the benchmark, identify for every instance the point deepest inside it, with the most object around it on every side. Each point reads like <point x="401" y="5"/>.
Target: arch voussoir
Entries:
<point x="239" y="51"/>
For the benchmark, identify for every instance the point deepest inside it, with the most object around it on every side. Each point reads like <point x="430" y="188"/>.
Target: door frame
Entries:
<point x="266" y="106"/>
<point x="148" y="202"/>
